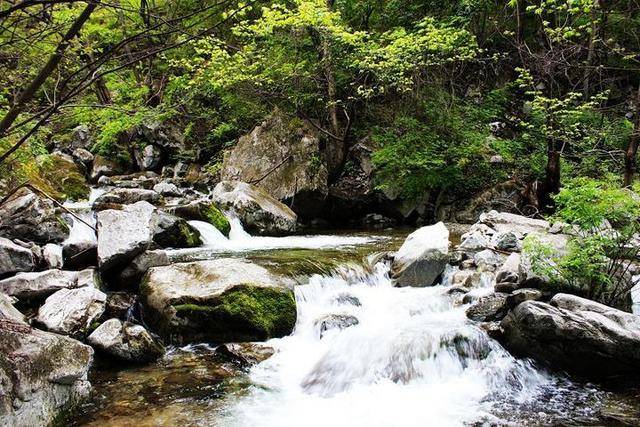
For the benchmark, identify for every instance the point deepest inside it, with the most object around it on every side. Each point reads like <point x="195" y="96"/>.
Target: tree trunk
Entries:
<point x="630" y="163"/>
<point x="551" y="184"/>
<point x="28" y="93"/>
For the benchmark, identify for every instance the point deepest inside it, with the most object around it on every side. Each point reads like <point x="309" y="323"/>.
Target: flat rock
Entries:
<point x="489" y="308"/>
<point x="37" y="285"/>
<point x="72" y="311"/>
<point x="14" y="258"/>
<point x="126" y="341"/>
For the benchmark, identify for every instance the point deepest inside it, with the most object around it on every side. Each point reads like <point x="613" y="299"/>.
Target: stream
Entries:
<point x="413" y="358"/>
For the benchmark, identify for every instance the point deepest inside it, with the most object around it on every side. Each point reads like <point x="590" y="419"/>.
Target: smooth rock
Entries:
<point x="126" y="341"/>
<point x="489" y="308"/>
<point x="52" y="256"/>
<point x="14" y="258"/>
<point x="72" y="311"/>
<point x="167" y="189"/>
<point x="335" y="322"/>
<point x="488" y="260"/>
<point x="245" y="354"/>
<point x="422" y="257"/>
<point x="508" y="222"/>
<point x="37" y="285"/>
<point x="8" y="311"/>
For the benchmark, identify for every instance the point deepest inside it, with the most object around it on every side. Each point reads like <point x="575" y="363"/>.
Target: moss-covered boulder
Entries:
<point x="222" y="300"/>
<point x="203" y="211"/>
<point x="63" y="177"/>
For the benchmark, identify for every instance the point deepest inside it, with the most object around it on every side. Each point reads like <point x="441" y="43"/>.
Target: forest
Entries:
<point x="215" y="202"/>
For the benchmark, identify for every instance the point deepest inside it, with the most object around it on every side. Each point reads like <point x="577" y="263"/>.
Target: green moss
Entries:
<point x="63" y="178"/>
<point x="214" y="216"/>
<point x="246" y="312"/>
<point x="190" y="235"/>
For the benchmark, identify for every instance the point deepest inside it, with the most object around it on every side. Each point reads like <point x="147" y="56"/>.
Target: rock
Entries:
<point x="42" y="374"/>
<point x="8" y="311"/>
<point x="52" y="256"/>
<point x="124" y="234"/>
<point x="80" y="253"/>
<point x="29" y="217"/>
<point x="475" y="241"/>
<point x="84" y="157"/>
<point x="259" y="212"/>
<point x="347" y="299"/>
<point x="245" y="354"/>
<point x="81" y="137"/>
<point x="497" y="160"/>
<point x="104" y="181"/>
<point x="38" y="285"/>
<point x="221" y="300"/>
<point x="505" y="287"/>
<point x="508" y="222"/>
<point x="521" y="295"/>
<point x="508" y="272"/>
<point x="167" y="189"/>
<point x="422" y="257"/>
<point x="282" y="156"/>
<point x="134" y="272"/>
<point x="335" y="321"/>
<point x="126" y="341"/>
<point x="120" y="305"/>
<point x="14" y="258"/>
<point x="203" y="210"/>
<point x="489" y="308"/>
<point x="63" y="177"/>
<point x="104" y="167"/>
<point x="127" y="196"/>
<point x="72" y="311"/>
<point x="506" y="241"/>
<point x="374" y="221"/>
<point x="488" y="260"/>
<point x="575" y="334"/>
<point x="149" y="158"/>
<point x="89" y="278"/>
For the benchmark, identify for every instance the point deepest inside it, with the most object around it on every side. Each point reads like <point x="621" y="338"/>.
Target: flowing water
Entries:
<point x="412" y="359"/>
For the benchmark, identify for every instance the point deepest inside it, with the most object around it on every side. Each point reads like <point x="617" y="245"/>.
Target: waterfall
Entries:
<point x="413" y="359"/>
<point x="80" y="231"/>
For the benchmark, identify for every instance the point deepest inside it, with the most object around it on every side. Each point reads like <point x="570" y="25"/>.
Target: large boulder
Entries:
<point x="222" y="300"/>
<point x="104" y="167"/>
<point x="8" y="311"/>
<point x="72" y="311"/>
<point x="489" y="308"/>
<point x="148" y="158"/>
<point x="38" y="285"/>
<point x="127" y="196"/>
<point x="258" y="211"/>
<point x="575" y="334"/>
<point x="518" y="224"/>
<point x="14" y="258"/>
<point x="124" y="234"/>
<point x="52" y="256"/>
<point x="30" y="217"/>
<point x="203" y="210"/>
<point x="126" y="341"/>
<point x="282" y="157"/>
<point x="41" y="374"/>
<point x="62" y="177"/>
<point x="422" y="257"/>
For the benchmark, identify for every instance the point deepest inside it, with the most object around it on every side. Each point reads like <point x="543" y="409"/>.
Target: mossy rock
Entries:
<point x="62" y="178"/>
<point x="213" y="215"/>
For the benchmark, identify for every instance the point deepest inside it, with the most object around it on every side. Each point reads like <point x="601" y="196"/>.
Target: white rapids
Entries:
<point x="414" y="359"/>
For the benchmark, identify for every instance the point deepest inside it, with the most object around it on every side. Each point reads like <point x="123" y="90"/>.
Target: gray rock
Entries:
<point x="104" y="167"/>
<point x="134" y="272"/>
<point x="126" y="341"/>
<point x="14" y="258"/>
<point x="127" y="196"/>
<point x="245" y="354"/>
<point x="506" y="241"/>
<point x="575" y="334"/>
<point x="149" y="158"/>
<point x="422" y="257"/>
<point x="518" y="224"/>
<point x="347" y="299"/>
<point x="104" y="181"/>
<point x="8" y="311"/>
<point x="335" y="321"/>
<point x="508" y="272"/>
<point x="488" y="260"/>
<point x="29" y="217"/>
<point x="489" y="308"/>
<point x="167" y="189"/>
<point x="38" y="285"/>
<point x="52" y="256"/>
<point x="257" y="210"/>
<point x="221" y="300"/>
<point x="475" y="241"/>
<point x="83" y="156"/>
<point x="41" y="374"/>
<point x="466" y="278"/>
<point x="72" y="311"/>
<point x="521" y="295"/>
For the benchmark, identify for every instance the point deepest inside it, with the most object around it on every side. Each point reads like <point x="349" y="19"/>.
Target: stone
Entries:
<point x="42" y="375"/>
<point x="508" y="222"/>
<point x="72" y="311"/>
<point x="84" y="157"/>
<point x="282" y="157"/>
<point x="374" y="221"/>
<point x="521" y="295"/>
<point x="245" y="354"/>
<point x="575" y="334"/>
<point x="126" y="341"/>
<point x="257" y="210"/>
<point x="488" y="260"/>
<point x="104" y="181"/>
<point x="466" y="278"/>
<point x="138" y="267"/>
<point x="506" y="241"/>
<point x="203" y="210"/>
<point x="489" y="308"/>
<point x="220" y="300"/>
<point x="422" y="257"/>
<point x="149" y="158"/>
<point x="475" y="241"/>
<point x="104" y="167"/>
<point x="66" y="181"/>
<point x="14" y="258"/>
<point x="127" y="196"/>
<point x="508" y="272"/>
<point x="335" y="322"/>
<point x="347" y="299"/>
<point x="120" y="305"/>
<point x="167" y="189"/>
<point x="8" y="311"/>
<point x="38" y="285"/>
<point x="30" y="217"/>
<point x="52" y="256"/>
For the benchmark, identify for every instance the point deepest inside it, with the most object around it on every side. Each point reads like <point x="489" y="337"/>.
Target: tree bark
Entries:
<point x="28" y="93"/>
<point x="630" y="162"/>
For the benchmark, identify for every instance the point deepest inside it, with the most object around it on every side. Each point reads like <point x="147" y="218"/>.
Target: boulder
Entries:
<point x="474" y="241"/>
<point x="335" y="321"/>
<point x="282" y="157"/>
<point x="203" y="210"/>
<point x="126" y="341"/>
<point x="489" y="308"/>
<point x="575" y="334"/>
<point x="257" y="210"/>
<point x="518" y="224"/>
<point x="52" y="256"/>
<point x="506" y="241"/>
<point x="8" y="311"/>
<point x="14" y="258"/>
<point x="488" y="260"/>
<point x="221" y="300"/>
<point x="72" y="311"/>
<point x="62" y="177"/>
<point x="347" y="299"/>
<point x="245" y="354"/>
<point x="104" y="167"/>
<point x="41" y="375"/>
<point x="84" y="157"/>
<point x="30" y="217"/>
<point x="422" y="257"/>
<point x="508" y="272"/>
<point x="127" y="196"/>
<point x="167" y="189"/>
<point x="134" y="272"/>
<point x="38" y="285"/>
<point x="521" y="295"/>
<point x="169" y="231"/>
<point x="148" y="158"/>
